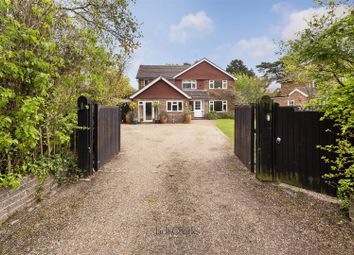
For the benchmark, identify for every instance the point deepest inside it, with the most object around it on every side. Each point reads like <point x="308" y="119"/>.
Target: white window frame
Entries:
<point x="146" y="82"/>
<point x="212" y="84"/>
<point x="192" y="82"/>
<point x="175" y="102"/>
<point x="211" y="105"/>
<point x="291" y="102"/>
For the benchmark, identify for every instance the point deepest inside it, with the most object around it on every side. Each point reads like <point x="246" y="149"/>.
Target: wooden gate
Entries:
<point x="287" y="147"/>
<point x="287" y="141"/>
<point x="244" y="135"/>
<point x="99" y="134"/>
<point x="106" y="134"/>
<point x="297" y="158"/>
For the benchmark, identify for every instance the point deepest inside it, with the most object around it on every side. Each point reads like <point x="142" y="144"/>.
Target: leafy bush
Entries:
<point x="212" y="116"/>
<point x="220" y="115"/>
<point x="50" y="55"/>
<point x="324" y="53"/>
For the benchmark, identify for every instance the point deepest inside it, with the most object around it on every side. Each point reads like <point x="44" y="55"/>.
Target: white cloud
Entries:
<point x="196" y="25"/>
<point x="295" y="21"/>
<point x="257" y="47"/>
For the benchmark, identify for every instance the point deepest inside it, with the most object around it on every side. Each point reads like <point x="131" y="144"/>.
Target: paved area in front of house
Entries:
<point x="177" y="189"/>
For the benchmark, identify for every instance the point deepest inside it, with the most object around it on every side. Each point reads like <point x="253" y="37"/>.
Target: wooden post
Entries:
<point x="96" y="151"/>
<point x="85" y="135"/>
<point x="264" y="163"/>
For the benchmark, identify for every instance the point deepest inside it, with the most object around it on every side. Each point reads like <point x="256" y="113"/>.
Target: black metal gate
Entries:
<point x="99" y="134"/>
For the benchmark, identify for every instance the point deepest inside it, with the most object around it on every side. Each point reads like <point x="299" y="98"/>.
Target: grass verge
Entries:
<point x="227" y="127"/>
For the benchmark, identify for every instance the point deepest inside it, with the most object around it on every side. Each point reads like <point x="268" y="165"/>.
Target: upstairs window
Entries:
<point x="174" y="106"/>
<point x="217" y="84"/>
<point x="146" y="82"/>
<point x="189" y="84"/>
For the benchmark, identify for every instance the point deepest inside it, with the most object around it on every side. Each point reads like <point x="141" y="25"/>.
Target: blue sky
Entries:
<point x="178" y="31"/>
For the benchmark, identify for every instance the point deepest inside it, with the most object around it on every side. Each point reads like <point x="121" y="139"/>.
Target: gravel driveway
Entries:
<point x="177" y="189"/>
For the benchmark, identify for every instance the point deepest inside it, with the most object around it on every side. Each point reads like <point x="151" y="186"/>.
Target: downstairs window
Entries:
<point x="218" y="106"/>
<point x="174" y="106"/>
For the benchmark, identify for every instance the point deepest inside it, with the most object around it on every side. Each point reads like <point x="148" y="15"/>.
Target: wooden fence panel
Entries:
<point x="244" y="135"/>
<point x="107" y="134"/>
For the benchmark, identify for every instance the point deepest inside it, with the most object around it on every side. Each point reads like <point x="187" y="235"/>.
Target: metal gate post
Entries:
<point x="264" y="139"/>
<point x="85" y="135"/>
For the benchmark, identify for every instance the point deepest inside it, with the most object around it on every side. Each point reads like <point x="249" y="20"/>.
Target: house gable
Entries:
<point x="160" y="88"/>
<point x="298" y="91"/>
<point x="204" y="70"/>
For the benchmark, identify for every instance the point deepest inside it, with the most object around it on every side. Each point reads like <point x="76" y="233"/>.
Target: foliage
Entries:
<point x="156" y="104"/>
<point x="163" y="114"/>
<point x="249" y="89"/>
<point x="187" y="112"/>
<point x="130" y="115"/>
<point x="133" y="106"/>
<point x="212" y="115"/>
<point x="219" y="115"/>
<point x="324" y="53"/>
<point x="237" y="66"/>
<point x="49" y="58"/>
<point x="272" y="71"/>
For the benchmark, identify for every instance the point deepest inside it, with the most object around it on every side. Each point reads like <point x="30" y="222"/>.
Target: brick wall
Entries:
<point x="12" y="200"/>
<point x="299" y="99"/>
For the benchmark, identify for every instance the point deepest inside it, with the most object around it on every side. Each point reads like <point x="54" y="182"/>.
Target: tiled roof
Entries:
<point x="153" y="71"/>
<point x="197" y="94"/>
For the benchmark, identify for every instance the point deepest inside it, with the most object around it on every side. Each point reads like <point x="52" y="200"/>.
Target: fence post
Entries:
<point x="252" y="136"/>
<point x="85" y="135"/>
<point x="264" y="162"/>
<point x="96" y="156"/>
<point x="119" y="127"/>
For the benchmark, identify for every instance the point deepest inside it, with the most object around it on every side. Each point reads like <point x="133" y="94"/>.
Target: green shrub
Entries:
<point x="220" y="115"/>
<point x="212" y="115"/>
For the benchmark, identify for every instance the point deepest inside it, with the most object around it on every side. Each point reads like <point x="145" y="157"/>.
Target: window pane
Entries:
<point x="189" y="84"/>
<point x="218" y="84"/>
<point x="174" y="107"/>
<point x="218" y="106"/>
<point x="191" y="106"/>
<point x="224" y="84"/>
<point x="186" y="84"/>
<point x="224" y="105"/>
<point x="179" y="106"/>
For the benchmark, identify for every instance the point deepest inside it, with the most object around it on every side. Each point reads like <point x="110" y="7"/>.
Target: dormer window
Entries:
<point x="217" y="84"/>
<point x="189" y="84"/>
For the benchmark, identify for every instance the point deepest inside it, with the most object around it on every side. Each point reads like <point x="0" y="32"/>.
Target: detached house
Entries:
<point x="201" y="88"/>
<point x="292" y="94"/>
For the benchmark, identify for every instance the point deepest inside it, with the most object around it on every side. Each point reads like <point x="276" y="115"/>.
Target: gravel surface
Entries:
<point x="177" y="189"/>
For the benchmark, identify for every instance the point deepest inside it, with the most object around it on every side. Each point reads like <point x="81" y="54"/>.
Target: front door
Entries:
<point x="198" y="108"/>
<point x="148" y="112"/>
